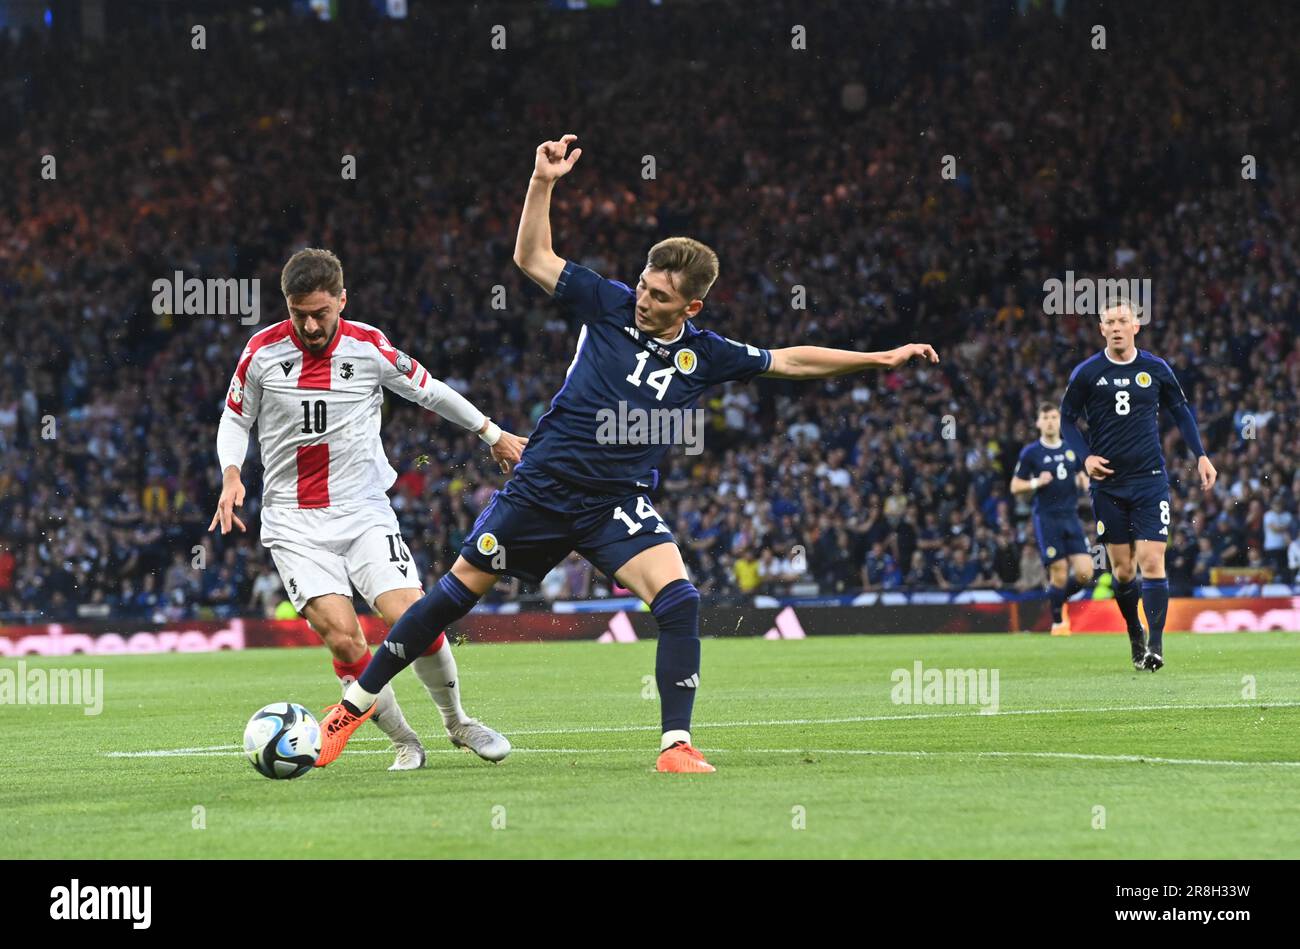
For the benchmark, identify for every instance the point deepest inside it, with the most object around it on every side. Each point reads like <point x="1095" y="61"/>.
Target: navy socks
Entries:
<point x="415" y="632"/>
<point x="677" y="657"/>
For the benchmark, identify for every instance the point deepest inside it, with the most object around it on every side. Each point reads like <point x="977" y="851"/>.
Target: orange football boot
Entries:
<point x="336" y="727"/>
<point x="1063" y="627"/>
<point x="681" y="758"/>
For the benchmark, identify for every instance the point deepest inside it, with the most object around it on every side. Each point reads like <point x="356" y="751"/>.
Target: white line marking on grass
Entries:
<point x="1070" y="755"/>
<point x="773" y="723"/>
<point x="862" y="752"/>
<point x="213" y="753"/>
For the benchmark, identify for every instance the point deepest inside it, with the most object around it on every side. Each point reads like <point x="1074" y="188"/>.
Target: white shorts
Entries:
<point x="332" y="550"/>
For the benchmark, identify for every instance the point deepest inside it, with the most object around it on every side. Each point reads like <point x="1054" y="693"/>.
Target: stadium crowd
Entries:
<point x="814" y="173"/>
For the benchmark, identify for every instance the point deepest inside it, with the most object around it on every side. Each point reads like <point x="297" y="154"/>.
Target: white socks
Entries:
<point x="673" y="737"/>
<point x="438" y="673"/>
<point x="358" y="697"/>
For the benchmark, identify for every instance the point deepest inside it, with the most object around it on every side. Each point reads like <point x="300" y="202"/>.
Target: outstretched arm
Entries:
<point x="818" y="362"/>
<point x="533" y="252"/>
<point x="410" y="380"/>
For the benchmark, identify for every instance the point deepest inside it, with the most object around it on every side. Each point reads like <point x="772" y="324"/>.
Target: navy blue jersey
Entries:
<point x="1061" y="494"/>
<point x="1121" y="403"/>
<point x="606" y="430"/>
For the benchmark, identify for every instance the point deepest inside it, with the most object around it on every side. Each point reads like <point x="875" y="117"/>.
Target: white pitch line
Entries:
<point x="614" y="729"/>
<point x="1071" y="755"/>
<point x="863" y="752"/>
<point x="211" y="753"/>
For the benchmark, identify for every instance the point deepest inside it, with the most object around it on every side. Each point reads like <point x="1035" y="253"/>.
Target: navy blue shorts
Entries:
<point x="1132" y="512"/>
<point x="1059" y="535"/>
<point x="535" y="521"/>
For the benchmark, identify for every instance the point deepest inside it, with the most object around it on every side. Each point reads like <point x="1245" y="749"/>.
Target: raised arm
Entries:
<point x="818" y="362"/>
<point x="533" y="253"/>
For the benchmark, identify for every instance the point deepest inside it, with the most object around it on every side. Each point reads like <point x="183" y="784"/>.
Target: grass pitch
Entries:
<point x="1084" y="757"/>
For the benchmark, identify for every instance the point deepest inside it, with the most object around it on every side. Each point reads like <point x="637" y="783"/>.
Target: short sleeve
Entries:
<point x="244" y="396"/>
<point x="730" y="361"/>
<point x="590" y="295"/>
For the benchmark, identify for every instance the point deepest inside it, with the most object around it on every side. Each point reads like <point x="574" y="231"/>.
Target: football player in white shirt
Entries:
<point x="314" y="385"/>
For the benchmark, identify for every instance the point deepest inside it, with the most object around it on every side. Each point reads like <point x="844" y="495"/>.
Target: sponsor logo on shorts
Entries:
<point x="487" y="543"/>
<point x="685" y="361"/>
<point x="1051" y="551"/>
<point x="1101" y="528"/>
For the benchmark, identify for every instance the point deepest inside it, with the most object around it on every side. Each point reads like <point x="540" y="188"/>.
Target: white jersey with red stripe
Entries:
<point x="318" y="416"/>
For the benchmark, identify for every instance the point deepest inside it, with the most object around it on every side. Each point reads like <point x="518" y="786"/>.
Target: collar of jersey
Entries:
<point x="1052" y="447"/>
<point x="329" y="350"/>
<point x="1115" y="362"/>
<point x="681" y="334"/>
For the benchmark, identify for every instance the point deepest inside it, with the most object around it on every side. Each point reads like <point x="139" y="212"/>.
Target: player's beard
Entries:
<point x="318" y="346"/>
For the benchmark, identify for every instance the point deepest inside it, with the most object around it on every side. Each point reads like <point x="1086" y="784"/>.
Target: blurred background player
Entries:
<point x="1119" y="391"/>
<point x="314" y="384"/>
<point x="1052" y="472"/>
<point x="577" y="489"/>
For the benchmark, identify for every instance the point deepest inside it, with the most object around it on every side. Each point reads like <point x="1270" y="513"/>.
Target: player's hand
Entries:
<point x="1044" y="479"/>
<point x="508" y="450"/>
<point x="1095" y="465"/>
<point x="902" y="354"/>
<point x="551" y="164"/>
<point x="232" y="496"/>
<point x="1207" y="472"/>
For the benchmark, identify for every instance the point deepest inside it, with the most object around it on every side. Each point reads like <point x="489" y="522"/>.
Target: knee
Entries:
<point x="1124" y="573"/>
<point x="1083" y="574"/>
<point x="1153" y="567"/>
<point x="677" y="608"/>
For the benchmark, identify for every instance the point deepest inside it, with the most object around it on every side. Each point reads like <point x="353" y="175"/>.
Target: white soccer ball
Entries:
<point x="282" y="740"/>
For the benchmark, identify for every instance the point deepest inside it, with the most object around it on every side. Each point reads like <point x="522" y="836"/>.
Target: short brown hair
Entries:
<point x="1047" y="407"/>
<point x="309" y="270"/>
<point x="696" y="262"/>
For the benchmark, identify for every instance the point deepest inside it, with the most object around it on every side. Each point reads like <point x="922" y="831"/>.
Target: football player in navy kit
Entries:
<point x="638" y="355"/>
<point x="1120" y="391"/>
<point x="1052" y="472"/>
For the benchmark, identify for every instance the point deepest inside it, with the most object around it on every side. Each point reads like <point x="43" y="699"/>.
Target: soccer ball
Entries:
<point x="282" y="740"/>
